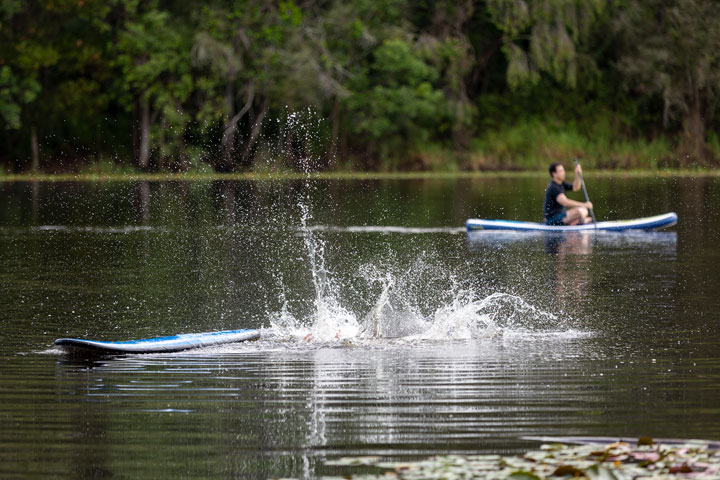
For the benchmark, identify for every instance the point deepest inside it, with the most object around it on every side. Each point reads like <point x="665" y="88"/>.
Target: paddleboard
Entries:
<point x="647" y="223"/>
<point x="174" y="343"/>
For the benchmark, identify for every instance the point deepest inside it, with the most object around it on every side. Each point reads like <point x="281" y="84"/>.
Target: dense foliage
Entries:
<point x="363" y="84"/>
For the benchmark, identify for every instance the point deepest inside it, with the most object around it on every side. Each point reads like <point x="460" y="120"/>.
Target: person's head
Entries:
<point x="557" y="172"/>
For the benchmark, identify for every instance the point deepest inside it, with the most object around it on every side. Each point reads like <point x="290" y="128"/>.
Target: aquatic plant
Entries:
<point x="620" y="460"/>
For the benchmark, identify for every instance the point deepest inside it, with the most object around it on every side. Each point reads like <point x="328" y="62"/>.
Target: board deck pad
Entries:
<point x="174" y="343"/>
<point x="646" y="223"/>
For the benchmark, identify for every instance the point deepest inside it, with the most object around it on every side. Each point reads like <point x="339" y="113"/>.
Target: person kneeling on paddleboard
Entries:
<point x="558" y="209"/>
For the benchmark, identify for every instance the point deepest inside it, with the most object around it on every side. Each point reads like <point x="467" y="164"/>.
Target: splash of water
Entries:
<point x="411" y="305"/>
<point x="390" y="316"/>
<point x="329" y="319"/>
<point x="401" y="311"/>
<point x="295" y="139"/>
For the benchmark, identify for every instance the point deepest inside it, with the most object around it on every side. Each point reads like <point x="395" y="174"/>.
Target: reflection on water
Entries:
<point x="577" y="243"/>
<point x="562" y="245"/>
<point x="572" y="253"/>
<point x="273" y="407"/>
<point x="581" y="266"/>
<point x="458" y="343"/>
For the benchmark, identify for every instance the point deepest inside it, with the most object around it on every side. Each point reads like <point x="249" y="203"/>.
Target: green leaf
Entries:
<point x="524" y="475"/>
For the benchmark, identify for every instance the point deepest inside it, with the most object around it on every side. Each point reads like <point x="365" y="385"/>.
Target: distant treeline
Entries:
<point x="358" y="84"/>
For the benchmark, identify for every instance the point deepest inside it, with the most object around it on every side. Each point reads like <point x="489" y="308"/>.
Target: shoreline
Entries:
<point x="274" y="176"/>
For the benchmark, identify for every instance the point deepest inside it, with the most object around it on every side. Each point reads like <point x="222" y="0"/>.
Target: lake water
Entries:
<point x="386" y="329"/>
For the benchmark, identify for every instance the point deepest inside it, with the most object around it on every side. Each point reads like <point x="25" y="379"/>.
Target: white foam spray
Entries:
<point x="424" y="302"/>
<point x="406" y="308"/>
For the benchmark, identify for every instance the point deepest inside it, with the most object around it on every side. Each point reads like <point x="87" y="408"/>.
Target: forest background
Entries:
<point x="361" y="85"/>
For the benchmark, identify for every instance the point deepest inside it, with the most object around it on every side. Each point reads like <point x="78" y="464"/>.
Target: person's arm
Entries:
<point x="577" y="183"/>
<point x="563" y="200"/>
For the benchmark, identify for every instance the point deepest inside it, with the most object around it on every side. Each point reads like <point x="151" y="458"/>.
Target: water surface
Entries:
<point x="387" y="330"/>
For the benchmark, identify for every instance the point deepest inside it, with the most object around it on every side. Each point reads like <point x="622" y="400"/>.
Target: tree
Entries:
<point x="396" y="101"/>
<point x="24" y="54"/>
<point x="255" y="59"/>
<point x="397" y="72"/>
<point x="542" y="36"/>
<point x="219" y="53"/>
<point x="669" y="48"/>
<point x="17" y="87"/>
<point x="345" y="37"/>
<point x="53" y="74"/>
<point x="153" y="58"/>
<point x="446" y="44"/>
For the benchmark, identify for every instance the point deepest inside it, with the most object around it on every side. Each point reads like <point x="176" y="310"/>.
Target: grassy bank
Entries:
<point x="533" y="144"/>
<point x="525" y="148"/>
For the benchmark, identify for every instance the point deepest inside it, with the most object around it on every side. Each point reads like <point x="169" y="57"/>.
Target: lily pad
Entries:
<point x="605" y="461"/>
<point x="564" y="470"/>
<point x="524" y="475"/>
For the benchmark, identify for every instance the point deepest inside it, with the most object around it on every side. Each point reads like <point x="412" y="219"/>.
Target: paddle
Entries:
<point x="587" y="199"/>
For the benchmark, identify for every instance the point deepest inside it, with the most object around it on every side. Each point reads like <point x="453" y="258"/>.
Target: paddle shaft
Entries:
<point x="587" y="198"/>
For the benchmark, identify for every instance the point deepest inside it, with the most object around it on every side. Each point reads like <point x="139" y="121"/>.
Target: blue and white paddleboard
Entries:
<point x="647" y="223"/>
<point x="174" y="343"/>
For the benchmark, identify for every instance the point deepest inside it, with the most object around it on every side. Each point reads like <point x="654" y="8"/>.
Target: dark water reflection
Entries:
<point x="635" y="350"/>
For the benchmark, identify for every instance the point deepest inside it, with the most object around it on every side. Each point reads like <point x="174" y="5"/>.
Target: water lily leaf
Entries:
<point x="563" y="470"/>
<point x="524" y="475"/>
<point x="597" y="472"/>
<point x="615" y="458"/>
<point x="617" y="461"/>
<point x="684" y="468"/>
<point x="537" y="456"/>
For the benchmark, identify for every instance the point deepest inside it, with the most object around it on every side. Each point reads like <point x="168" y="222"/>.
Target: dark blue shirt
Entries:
<point x="551" y="207"/>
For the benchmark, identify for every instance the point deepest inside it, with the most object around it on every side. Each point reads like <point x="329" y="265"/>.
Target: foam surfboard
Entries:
<point x="646" y="223"/>
<point x="174" y="343"/>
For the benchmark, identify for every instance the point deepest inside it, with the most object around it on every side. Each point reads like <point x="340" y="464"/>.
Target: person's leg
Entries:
<point x="575" y="216"/>
<point x="556" y="219"/>
<point x="585" y="216"/>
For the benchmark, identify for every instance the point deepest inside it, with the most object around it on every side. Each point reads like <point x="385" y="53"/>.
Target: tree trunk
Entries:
<point x="344" y="155"/>
<point x="254" y="134"/>
<point x="332" y="153"/>
<point x="227" y="144"/>
<point x="144" y="153"/>
<point x="181" y="160"/>
<point x="35" y="149"/>
<point x="694" y="131"/>
<point x="135" y="131"/>
<point x="228" y="140"/>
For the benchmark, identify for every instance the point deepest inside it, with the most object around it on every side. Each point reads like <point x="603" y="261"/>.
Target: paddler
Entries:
<point x="558" y="209"/>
